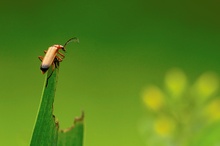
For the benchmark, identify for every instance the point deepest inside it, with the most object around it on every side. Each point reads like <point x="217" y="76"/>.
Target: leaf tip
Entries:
<point x="79" y="119"/>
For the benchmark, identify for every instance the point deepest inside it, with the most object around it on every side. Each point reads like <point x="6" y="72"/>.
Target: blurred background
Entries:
<point x="145" y="72"/>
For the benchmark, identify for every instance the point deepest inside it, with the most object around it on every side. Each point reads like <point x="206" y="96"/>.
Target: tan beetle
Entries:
<point x="52" y="53"/>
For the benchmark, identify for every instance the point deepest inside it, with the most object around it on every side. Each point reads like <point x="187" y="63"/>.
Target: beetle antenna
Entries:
<point x="74" y="39"/>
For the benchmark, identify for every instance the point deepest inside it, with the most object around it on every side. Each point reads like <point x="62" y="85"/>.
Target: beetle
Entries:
<point x="51" y="55"/>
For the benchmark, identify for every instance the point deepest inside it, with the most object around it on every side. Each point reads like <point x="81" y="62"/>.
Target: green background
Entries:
<point x="124" y="46"/>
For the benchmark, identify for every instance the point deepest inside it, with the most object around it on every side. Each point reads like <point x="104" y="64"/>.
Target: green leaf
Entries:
<point x="46" y="128"/>
<point x="72" y="136"/>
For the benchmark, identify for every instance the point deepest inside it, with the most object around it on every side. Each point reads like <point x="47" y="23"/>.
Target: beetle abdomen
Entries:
<point x="44" y="68"/>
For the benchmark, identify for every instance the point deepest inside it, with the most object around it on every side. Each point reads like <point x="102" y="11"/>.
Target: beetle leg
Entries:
<point x="56" y="62"/>
<point x="45" y="51"/>
<point x="53" y="66"/>
<point x="61" y="54"/>
<point x="41" y="58"/>
<point x="58" y="58"/>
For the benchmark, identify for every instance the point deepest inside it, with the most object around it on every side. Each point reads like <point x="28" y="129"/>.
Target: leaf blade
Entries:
<point x="72" y="136"/>
<point x="46" y="129"/>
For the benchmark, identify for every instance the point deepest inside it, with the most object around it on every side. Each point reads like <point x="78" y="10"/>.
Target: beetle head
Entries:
<point x="60" y="47"/>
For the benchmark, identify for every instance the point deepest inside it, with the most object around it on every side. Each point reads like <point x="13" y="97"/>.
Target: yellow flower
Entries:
<point x="212" y="111"/>
<point x="153" y="98"/>
<point x="164" y="126"/>
<point x="206" y="85"/>
<point x="175" y="81"/>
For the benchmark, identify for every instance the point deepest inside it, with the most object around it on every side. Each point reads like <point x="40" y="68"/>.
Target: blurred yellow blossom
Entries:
<point x="164" y="126"/>
<point x="175" y="81"/>
<point x="212" y="110"/>
<point x="207" y="84"/>
<point x="180" y="121"/>
<point x="153" y="98"/>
